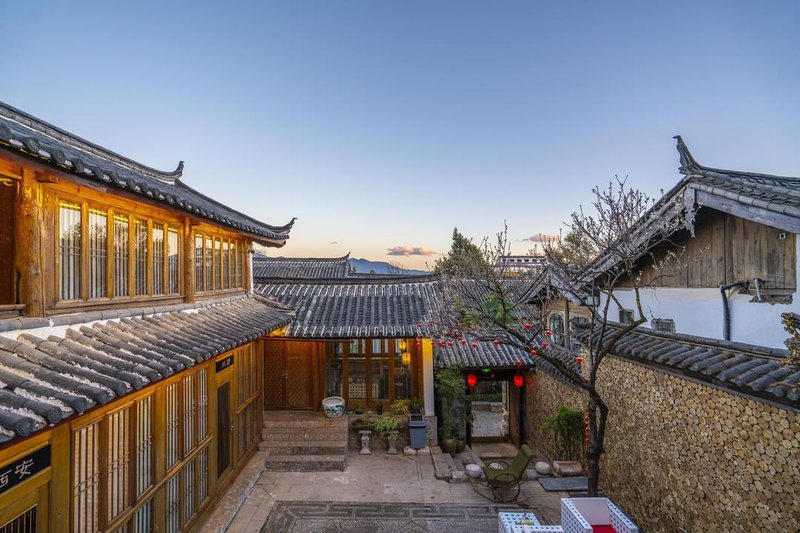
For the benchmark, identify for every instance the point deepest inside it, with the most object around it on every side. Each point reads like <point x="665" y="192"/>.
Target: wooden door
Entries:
<point x="298" y="373"/>
<point x="28" y="513"/>
<point x="287" y="375"/>
<point x="224" y="428"/>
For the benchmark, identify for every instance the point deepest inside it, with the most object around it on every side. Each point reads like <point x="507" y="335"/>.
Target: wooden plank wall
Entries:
<point x="725" y="249"/>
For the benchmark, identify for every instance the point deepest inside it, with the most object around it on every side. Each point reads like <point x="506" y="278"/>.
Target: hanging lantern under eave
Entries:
<point x="519" y="381"/>
<point x="472" y="380"/>
<point x="402" y="345"/>
<point x="405" y="358"/>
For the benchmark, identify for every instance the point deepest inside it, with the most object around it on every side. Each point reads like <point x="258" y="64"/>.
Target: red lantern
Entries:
<point x="472" y="380"/>
<point x="527" y="325"/>
<point x="474" y="344"/>
<point x="545" y="344"/>
<point x="496" y="342"/>
<point x="518" y="381"/>
<point x="579" y="360"/>
<point x="548" y="332"/>
<point x="533" y="353"/>
<point x="463" y="341"/>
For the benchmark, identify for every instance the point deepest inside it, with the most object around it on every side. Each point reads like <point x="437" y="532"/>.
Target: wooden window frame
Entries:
<point x="223" y="278"/>
<point x="111" y="215"/>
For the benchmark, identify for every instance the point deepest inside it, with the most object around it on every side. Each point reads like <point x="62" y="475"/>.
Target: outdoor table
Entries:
<point x="510" y="522"/>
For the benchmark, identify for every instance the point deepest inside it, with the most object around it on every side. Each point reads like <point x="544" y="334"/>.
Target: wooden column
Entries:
<point x="189" y="287"/>
<point x="28" y="252"/>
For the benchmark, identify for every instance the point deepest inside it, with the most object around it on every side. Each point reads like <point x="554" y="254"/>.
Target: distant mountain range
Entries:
<point x="365" y="266"/>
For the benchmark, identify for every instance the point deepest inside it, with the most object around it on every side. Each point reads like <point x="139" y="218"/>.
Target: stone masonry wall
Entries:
<point x="684" y="455"/>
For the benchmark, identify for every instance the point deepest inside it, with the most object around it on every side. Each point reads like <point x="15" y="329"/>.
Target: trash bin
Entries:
<point x="416" y="428"/>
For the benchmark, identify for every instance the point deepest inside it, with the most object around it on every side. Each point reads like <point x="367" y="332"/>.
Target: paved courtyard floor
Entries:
<point x="377" y="478"/>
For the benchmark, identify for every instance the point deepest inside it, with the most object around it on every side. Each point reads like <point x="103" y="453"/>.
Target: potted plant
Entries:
<point x="388" y="424"/>
<point x="450" y="385"/>
<point x="416" y="406"/>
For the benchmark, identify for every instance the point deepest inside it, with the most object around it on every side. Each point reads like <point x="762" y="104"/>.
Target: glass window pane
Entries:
<point x="379" y="369"/>
<point x="209" y="264"/>
<point x="158" y="259"/>
<point x="198" y="263"/>
<point x="70" y="250"/>
<point x="334" y="365"/>
<point x="357" y="373"/>
<point x="121" y="248"/>
<point x="225" y="266"/>
<point x="140" y="257"/>
<point x="217" y="264"/>
<point x="98" y="253"/>
<point x="173" y="260"/>
<point x="402" y="369"/>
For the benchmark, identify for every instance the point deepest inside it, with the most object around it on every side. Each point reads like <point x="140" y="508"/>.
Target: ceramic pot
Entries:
<point x="333" y="406"/>
<point x="448" y="445"/>
<point x="460" y="445"/>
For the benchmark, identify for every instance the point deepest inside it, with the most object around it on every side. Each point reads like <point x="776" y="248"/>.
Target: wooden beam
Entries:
<point x="28" y="245"/>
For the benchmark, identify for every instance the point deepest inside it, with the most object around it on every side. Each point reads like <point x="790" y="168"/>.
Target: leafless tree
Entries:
<point x="607" y="244"/>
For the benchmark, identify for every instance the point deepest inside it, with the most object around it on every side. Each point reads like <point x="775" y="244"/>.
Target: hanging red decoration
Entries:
<point x="545" y="344"/>
<point x="463" y="341"/>
<point x="518" y="363"/>
<point x="579" y="360"/>
<point x="449" y="343"/>
<point x="548" y="333"/>
<point x="518" y="381"/>
<point x="527" y="325"/>
<point x="474" y="344"/>
<point x="472" y="380"/>
<point x="533" y="353"/>
<point x="496" y="342"/>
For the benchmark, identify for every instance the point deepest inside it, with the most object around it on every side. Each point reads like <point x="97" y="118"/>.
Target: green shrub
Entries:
<point x="567" y="429"/>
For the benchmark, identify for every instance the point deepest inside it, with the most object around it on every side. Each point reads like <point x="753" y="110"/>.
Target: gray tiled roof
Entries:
<point x="267" y="268"/>
<point x="34" y="138"/>
<point x="485" y="354"/>
<point x="744" y="368"/>
<point x="775" y="194"/>
<point x="355" y="307"/>
<point x="47" y="378"/>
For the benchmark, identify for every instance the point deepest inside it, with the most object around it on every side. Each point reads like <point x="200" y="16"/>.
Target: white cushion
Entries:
<point x="594" y="510"/>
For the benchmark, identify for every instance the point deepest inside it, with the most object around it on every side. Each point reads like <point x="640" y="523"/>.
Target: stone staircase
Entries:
<point x="302" y="441"/>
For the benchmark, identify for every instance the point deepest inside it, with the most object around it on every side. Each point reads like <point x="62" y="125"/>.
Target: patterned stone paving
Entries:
<point x="321" y="517"/>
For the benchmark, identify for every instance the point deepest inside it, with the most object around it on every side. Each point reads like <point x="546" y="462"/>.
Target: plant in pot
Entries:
<point x="416" y="406"/>
<point x="450" y="385"/>
<point x="388" y="424"/>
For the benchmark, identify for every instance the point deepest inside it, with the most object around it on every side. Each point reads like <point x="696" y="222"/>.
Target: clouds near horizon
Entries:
<point x="541" y="238"/>
<point x="407" y="251"/>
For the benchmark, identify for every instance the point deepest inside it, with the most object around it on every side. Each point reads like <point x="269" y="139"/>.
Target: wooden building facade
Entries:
<point x="131" y="349"/>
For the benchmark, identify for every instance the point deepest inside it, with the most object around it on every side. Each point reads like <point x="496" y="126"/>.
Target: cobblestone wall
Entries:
<point x="681" y="454"/>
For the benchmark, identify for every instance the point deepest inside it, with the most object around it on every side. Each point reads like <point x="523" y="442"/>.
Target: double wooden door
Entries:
<point x="288" y="374"/>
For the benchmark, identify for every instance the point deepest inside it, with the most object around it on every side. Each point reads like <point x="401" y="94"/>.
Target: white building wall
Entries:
<point x="699" y="312"/>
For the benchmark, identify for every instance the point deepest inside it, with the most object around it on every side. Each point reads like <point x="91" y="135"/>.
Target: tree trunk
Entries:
<point x="597" y="430"/>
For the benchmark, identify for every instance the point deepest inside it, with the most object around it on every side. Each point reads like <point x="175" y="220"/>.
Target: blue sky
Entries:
<point x="386" y="124"/>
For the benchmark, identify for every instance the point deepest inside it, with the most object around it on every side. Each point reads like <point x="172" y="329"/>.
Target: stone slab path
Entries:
<point x="377" y="478"/>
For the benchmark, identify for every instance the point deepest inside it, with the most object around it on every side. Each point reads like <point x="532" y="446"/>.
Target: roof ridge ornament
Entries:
<point x="688" y="163"/>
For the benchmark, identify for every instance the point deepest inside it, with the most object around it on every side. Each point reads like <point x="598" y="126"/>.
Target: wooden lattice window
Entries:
<point x="157" y="236"/>
<point x="121" y="255"/>
<point x="118" y="455"/>
<point x="198" y="263"/>
<point x="69" y="259"/>
<point x="217" y="264"/>
<point x="209" y="286"/>
<point x="86" y="479"/>
<point x="248" y="405"/>
<point x="98" y="253"/>
<point x="225" y="266"/>
<point x="173" y="261"/>
<point x="24" y="523"/>
<point x="141" y="235"/>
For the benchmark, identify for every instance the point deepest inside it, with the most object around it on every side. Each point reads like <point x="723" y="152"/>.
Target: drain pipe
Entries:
<point x="726" y="312"/>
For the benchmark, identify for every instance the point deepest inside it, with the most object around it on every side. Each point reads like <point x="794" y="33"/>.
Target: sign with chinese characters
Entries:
<point x="14" y="473"/>
<point x="224" y="363"/>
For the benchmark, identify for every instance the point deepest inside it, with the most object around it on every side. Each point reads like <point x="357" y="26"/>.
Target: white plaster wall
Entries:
<point x="699" y="312"/>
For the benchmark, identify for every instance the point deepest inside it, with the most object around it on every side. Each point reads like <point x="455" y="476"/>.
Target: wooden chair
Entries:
<point x="505" y="479"/>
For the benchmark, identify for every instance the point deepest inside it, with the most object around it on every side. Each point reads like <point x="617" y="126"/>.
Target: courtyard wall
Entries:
<point x="683" y="455"/>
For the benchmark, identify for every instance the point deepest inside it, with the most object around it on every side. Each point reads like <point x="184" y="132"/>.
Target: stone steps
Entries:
<point x="303" y="442"/>
<point x="304" y="448"/>
<point x="305" y="463"/>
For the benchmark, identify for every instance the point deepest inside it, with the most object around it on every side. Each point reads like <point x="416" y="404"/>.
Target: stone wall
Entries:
<point x="685" y="455"/>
